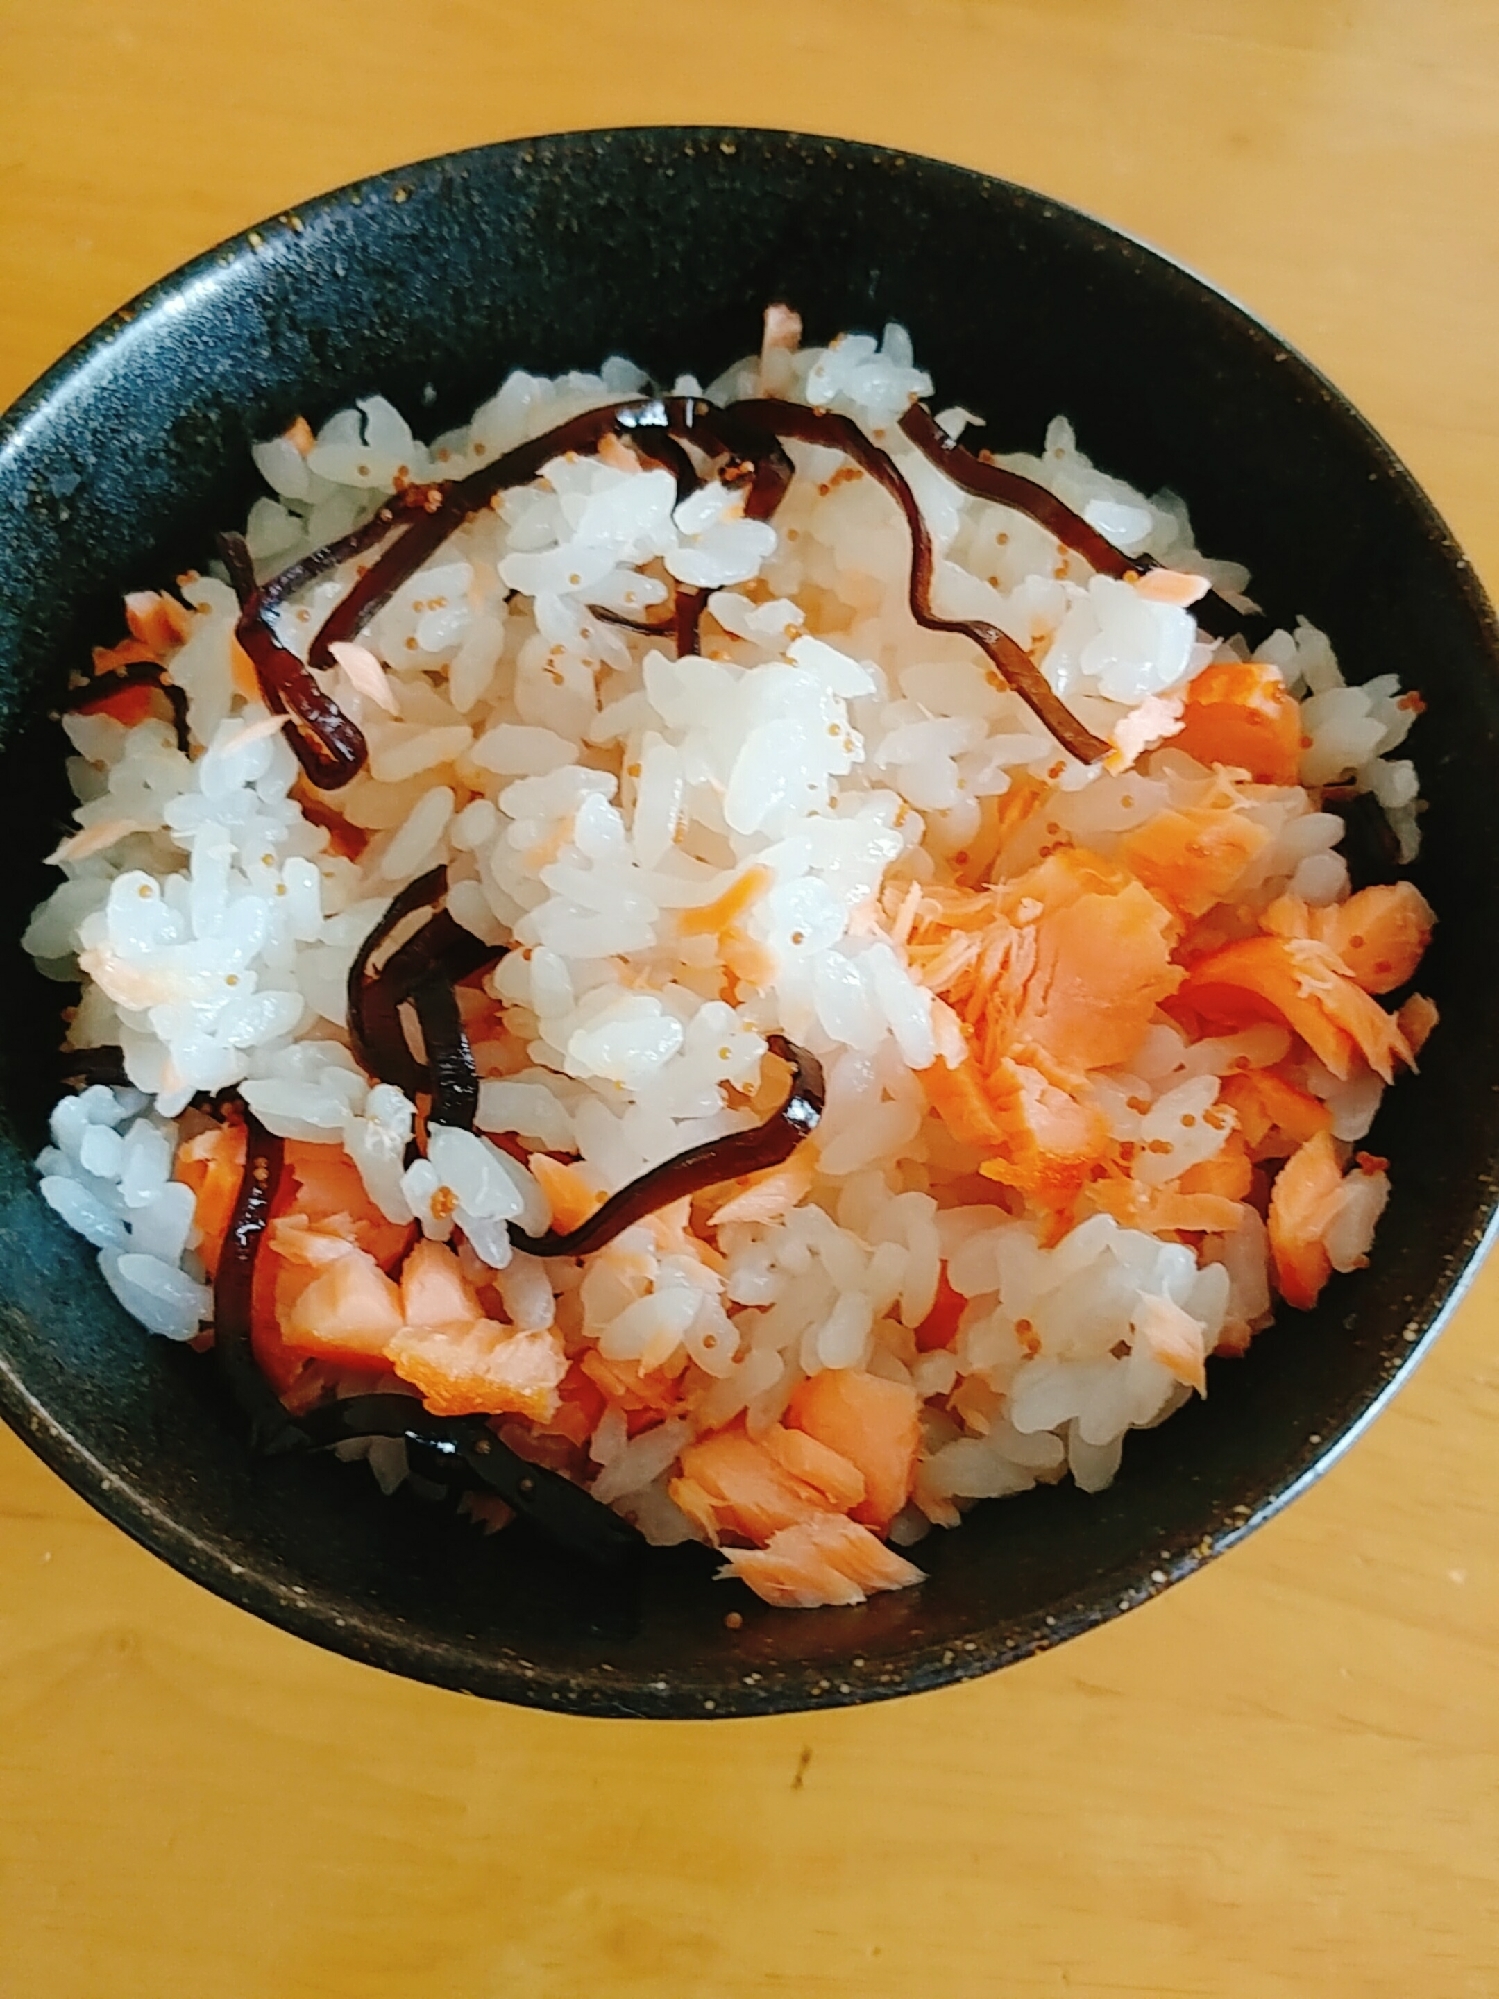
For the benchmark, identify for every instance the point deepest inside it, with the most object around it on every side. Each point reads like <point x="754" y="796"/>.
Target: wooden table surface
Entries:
<point x="1280" y="1778"/>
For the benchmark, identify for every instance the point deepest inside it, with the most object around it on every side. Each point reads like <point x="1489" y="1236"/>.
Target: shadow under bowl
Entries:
<point x="427" y="285"/>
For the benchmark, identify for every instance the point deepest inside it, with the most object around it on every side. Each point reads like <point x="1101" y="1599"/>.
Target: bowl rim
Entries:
<point x="379" y="1638"/>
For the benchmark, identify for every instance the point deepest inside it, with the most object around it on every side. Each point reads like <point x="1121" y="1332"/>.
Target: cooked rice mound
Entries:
<point x="1100" y="1041"/>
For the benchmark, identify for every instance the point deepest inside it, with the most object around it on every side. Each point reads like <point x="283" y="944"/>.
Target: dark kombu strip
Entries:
<point x="104" y="687"/>
<point x="746" y="440"/>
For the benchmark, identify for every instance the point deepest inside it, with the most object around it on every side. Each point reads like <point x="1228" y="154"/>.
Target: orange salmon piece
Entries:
<point x="580" y="1405"/>
<point x="828" y="1472"/>
<point x="483" y="1369"/>
<point x="1069" y="961"/>
<point x="460" y="1362"/>
<point x="350" y="1312"/>
<point x="310" y="1245"/>
<point x="1274" y="1116"/>
<point x="699" y="1505"/>
<point x="128" y="705"/>
<point x="328" y="1183"/>
<point x="962" y="1100"/>
<point x="1049" y="1144"/>
<point x="826" y="1560"/>
<point x="1380" y="934"/>
<point x="157" y="620"/>
<point x="1174" y="1338"/>
<point x="242" y="672"/>
<point x="745" y="1490"/>
<point x="644" y="1398"/>
<point x="1103" y="964"/>
<point x="1303" y="983"/>
<point x="434" y="1290"/>
<point x="569" y="1196"/>
<point x="940" y="1326"/>
<point x="294" y="1375"/>
<point x="1302" y="1201"/>
<point x="1192" y="859"/>
<point x="276" y="1288"/>
<point x="1228" y="1174"/>
<point x="871" y="1422"/>
<point x="765" y="1197"/>
<point x="1165" y="1210"/>
<point x="1416" y="1019"/>
<point x="129" y="652"/>
<point x="480" y="1370"/>
<point x="1241" y="713"/>
<point x="303" y="1379"/>
<point x="213" y="1165"/>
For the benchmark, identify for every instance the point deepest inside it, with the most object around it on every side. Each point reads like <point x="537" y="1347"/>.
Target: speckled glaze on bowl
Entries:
<point x="427" y="284"/>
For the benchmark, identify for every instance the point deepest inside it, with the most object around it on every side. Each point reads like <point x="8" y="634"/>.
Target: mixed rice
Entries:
<point x="1100" y="1039"/>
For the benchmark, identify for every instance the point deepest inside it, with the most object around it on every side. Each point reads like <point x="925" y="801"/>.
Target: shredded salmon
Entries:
<point x="1380" y="934"/>
<point x="580" y="1407"/>
<point x="327" y="1182"/>
<point x="1174" y="1338"/>
<point x="1069" y="960"/>
<point x="816" y="1464"/>
<point x="1301" y="1205"/>
<point x="767" y="1196"/>
<point x="348" y="1311"/>
<point x="482" y="1369"/>
<point x="828" y="1559"/>
<point x="159" y="621"/>
<point x="1171" y="586"/>
<point x="1167" y="1210"/>
<point x="1050" y="976"/>
<point x="1229" y="1174"/>
<point x="1304" y="983"/>
<point x="1274" y="1116"/>
<point x="742" y="1488"/>
<point x="871" y="1422"/>
<point x="1241" y="713"/>
<point x="242" y="672"/>
<point x="461" y="1361"/>
<point x="1191" y="859"/>
<point x="213" y="1165"/>
<point x="1416" y="1020"/>
<point x="571" y="1196"/>
<point x="1047" y="1143"/>
<point x="130" y="705"/>
<point x="129" y="652"/>
<point x="940" y="1326"/>
<point x="1086" y="962"/>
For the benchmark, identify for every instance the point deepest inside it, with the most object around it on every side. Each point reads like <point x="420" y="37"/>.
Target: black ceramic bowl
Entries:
<point x="665" y="245"/>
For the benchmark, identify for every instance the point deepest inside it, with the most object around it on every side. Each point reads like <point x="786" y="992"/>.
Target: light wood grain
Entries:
<point x="1283" y="1777"/>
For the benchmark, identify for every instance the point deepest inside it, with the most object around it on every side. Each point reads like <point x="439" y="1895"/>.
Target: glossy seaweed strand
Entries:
<point x="271" y="1425"/>
<point x="708" y="1165"/>
<point x="441" y="953"/>
<point x="750" y="434"/>
<point x="103" y="688"/>
<point x="1018" y="669"/>
<point x="987" y="481"/>
<point x="465" y="1452"/>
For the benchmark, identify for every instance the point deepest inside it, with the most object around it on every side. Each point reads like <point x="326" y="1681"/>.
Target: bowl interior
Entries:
<point x="428" y="285"/>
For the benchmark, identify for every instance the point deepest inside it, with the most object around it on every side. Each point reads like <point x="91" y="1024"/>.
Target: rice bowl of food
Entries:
<point x="742" y="961"/>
